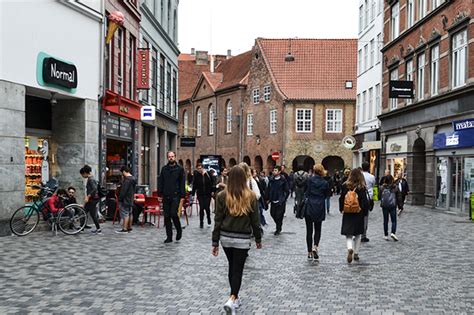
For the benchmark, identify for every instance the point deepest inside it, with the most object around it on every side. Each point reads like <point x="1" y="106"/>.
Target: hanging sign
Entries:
<point x="148" y="113"/>
<point x="143" y="69"/>
<point x="400" y="89"/>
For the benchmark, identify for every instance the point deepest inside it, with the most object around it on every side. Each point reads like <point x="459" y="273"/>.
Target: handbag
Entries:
<point x="301" y="209"/>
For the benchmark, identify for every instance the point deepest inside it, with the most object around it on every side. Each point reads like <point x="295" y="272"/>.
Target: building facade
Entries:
<point x="49" y="90"/>
<point x="159" y="34"/>
<point x="300" y="103"/>
<point x="369" y="84"/>
<point x="429" y="138"/>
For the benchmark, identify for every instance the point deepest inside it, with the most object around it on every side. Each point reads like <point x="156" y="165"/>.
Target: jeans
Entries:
<point x="353" y="242"/>
<point x="170" y="211"/>
<point x="393" y="217"/>
<point x="236" y="258"/>
<point x="204" y="205"/>
<point x="366" y="225"/>
<point x="327" y="201"/>
<point x="263" y="222"/>
<point x="91" y="208"/>
<point x="277" y="211"/>
<point x="309" y="233"/>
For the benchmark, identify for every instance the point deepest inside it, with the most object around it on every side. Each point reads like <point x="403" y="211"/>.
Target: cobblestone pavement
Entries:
<point x="430" y="271"/>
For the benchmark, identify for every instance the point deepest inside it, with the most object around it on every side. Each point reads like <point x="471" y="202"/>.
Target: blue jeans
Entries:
<point x="328" y="203"/>
<point x="393" y="217"/>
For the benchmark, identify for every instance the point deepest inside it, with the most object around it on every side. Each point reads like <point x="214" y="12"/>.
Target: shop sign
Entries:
<point x="463" y="124"/>
<point x="372" y="145"/>
<point x="148" y="113"/>
<point x="143" y="69"/>
<point x="112" y="126"/>
<point x="452" y="140"/>
<point x="125" y="128"/>
<point x="188" y="142"/>
<point x="396" y="146"/>
<point x="51" y="71"/>
<point x="400" y="89"/>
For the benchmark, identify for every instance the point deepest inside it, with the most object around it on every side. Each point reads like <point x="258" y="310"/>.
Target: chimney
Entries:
<point x="193" y="51"/>
<point x="202" y="58"/>
<point x="229" y="53"/>
<point x="212" y="64"/>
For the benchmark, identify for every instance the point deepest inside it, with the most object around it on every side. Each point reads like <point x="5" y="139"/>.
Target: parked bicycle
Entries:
<point x="70" y="219"/>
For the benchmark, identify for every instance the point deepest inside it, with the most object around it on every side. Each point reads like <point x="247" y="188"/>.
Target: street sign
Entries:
<point x="147" y="113"/>
<point x="400" y="89"/>
<point x="275" y="156"/>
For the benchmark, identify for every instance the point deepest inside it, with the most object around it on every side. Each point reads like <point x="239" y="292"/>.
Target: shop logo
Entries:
<point x="463" y="124"/>
<point x="59" y="73"/>
<point x="123" y="109"/>
<point x="147" y="113"/>
<point x="395" y="147"/>
<point x="452" y="140"/>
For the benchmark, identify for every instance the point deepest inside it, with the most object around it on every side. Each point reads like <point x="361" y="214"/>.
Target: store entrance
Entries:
<point x="119" y="153"/>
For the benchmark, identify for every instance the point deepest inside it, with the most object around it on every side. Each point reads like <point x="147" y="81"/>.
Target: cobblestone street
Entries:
<point x="430" y="270"/>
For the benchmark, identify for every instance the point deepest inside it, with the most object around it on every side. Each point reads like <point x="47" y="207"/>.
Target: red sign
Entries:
<point x="143" y="69"/>
<point x="122" y="106"/>
<point x="275" y="156"/>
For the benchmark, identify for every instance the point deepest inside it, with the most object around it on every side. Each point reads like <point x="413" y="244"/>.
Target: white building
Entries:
<point x="50" y="83"/>
<point x="159" y="33"/>
<point x="369" y="83"/>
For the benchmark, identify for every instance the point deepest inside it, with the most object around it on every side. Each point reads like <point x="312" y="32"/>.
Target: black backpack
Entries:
<point x="389" y="199"/>
<point x="300" y="179"/>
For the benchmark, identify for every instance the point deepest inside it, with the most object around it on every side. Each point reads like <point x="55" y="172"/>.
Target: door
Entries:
<point x="456" y="187"/>
<point x="468" y="182"/>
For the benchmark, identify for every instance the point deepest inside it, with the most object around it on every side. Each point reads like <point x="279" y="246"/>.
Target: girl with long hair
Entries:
<point x="353" y="220"/>
<point x="236" y="220"/>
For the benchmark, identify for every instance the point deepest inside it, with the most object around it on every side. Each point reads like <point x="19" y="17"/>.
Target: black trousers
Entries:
<point x="170" y="211"/>
<point x="91" y="208"/>
<point x="236" y="258"/>
<point x="309" y="233"/>
<point x="204" y="205"/>
<point x="277" y="211"/>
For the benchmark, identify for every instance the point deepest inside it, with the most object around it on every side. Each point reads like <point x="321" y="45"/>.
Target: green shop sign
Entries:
<point x="55" y="72"/>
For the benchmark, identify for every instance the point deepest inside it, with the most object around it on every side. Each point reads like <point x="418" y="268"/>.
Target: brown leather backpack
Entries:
<point x="351" y="202"/>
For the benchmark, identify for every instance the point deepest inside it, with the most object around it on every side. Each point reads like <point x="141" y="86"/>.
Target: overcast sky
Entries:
<point x="218" y="25"/>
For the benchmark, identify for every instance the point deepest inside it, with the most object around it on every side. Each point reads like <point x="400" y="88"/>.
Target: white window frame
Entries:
<point x="363" y="113"/>
<point x="372" y="53"/>
<point x="256" y="95"/>
<point x="361" y="18"/>
<point x="359" y="53"/>
<point x="267" y="91"/>
<point x="435" y="4"/>
<point x="372" y="10"/>
<point x="211" y="120"/>
<point x="335" y="122"/>
<point x="409" y="76"/>
<point x="250" y="124"/>
<point x="422" y="9"/>
<point x="379" y="6"/>
<point x="199" y="122"/>
<point x="366" y="14"/>
<point x="434" y="70"/>
<point x="358" y="108"/>
<point x="459" y="60"/>
<point x="273" y="121"/>
<point x="393" y="101"/>
<point x="420" y="76"/>
<point x="379" y="47"/>
<point x="378" y="104"/>
<point x="371" y="103"/>
<point x="186" y="123"/>
<point x="395" y="21"/>
<point x="228" y="117"/>
<point x="410" y="13"/>
<point x="305" y="122"/>
<point x="366" y="57"/>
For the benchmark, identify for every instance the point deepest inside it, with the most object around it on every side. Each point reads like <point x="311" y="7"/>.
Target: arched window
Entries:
<point x="211" y="119"/>
<point x="198" y="122"/>
<point x="228" y="117"/>
<point x="185" y="123"/>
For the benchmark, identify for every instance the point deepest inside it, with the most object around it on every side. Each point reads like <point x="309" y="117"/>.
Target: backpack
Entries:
<point x="351" y="202"/>
<point x="389" y="199"/>
<point x="300" y="179"/>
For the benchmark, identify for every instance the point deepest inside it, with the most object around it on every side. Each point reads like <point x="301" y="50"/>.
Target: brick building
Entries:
<point x="211" y="95"/>
<point x="430" y="43"/>
<point x="300" y="102"/>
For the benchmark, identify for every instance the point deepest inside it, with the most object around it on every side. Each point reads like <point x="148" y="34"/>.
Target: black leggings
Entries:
<point x="91" y="208"/>
<point x="236" y="258"/>
<point x="309" y="233"/>
<point x="204" y="205"/>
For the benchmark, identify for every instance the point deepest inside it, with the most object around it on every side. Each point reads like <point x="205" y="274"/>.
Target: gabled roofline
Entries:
<point x="267" y="63"/>
<point x="196" y="89"/>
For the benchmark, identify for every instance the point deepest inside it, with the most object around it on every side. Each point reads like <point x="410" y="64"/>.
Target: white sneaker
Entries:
<point x="237" y="303"/>
<point x="394" y="237"/>
<point x="385" y="237"/>
<point x="229" y="307"/>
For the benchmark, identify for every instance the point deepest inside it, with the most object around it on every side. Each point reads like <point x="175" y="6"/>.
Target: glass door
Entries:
<point x="455" y="191"/>
<point x="468" y="183"/>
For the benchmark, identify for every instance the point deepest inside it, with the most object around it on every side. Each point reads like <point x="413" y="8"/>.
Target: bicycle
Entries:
<point x="71" y="219"/>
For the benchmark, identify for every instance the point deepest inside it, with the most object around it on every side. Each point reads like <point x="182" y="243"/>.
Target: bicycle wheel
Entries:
<point x="72" y="219"/>
<point x="24" y="220"/>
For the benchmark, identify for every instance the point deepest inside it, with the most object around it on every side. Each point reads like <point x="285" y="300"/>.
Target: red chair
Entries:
<point x="186" y="206"/>
<point x="153" y="207"/>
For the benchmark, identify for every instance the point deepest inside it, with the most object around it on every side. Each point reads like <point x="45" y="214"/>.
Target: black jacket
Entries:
<point x="316" y="192"/>
<point x="92" y="188"/>
<point x="203" y="184"/>
<point x="127" y="190"/>
<point x="171" y="182"/>
<point x="353" y="223"/>
<point x="278" y="190"/>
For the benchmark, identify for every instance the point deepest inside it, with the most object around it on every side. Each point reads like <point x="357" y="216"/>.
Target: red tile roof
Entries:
<point x="189" y="75"/>
<point x="319" y="71"/>
<point x="214" y="79"/>
<point x="235" y="70"/>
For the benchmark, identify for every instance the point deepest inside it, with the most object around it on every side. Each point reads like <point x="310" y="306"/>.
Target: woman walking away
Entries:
<point x="236" y="219"/>
<point x="354" y="205"/>
<point x="316" y="192"/>
<point x="330" y="191"/>
<point x="92" y="196"/>
<point x="388" y="203"/>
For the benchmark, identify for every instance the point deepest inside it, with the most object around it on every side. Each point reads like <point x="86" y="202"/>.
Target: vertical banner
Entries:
<point x="143" y="69"/>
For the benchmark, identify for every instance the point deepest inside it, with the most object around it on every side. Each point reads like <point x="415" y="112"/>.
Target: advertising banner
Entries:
<point x="143" y="69"/>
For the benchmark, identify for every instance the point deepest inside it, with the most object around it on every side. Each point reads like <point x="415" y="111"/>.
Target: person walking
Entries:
<point x="278" y="192"/>
<point x="222" y="180"/>
<point x="236" y="220"/>
<point x="330" y="182"/>
<point x="171" y="185"/>
<point x="262" y="205"/>
<point x="300" y="181"/>
<point x="125" y="199"/>
<point x="315" y="196"/>
<point x="336" y="178"/>
<point x="403" y="191"/>
<point x="92" y="197"/>
<point x="353" y="204"/>
<point x="388" y="203"/>
<point x="203" y="186"/>
<point x="369" y="184"/>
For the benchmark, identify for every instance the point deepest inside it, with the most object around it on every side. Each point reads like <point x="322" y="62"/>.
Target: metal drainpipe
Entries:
<point x="215" y="126"/>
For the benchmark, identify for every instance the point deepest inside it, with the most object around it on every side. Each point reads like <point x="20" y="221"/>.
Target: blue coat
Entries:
<point x="316" y="192"/>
